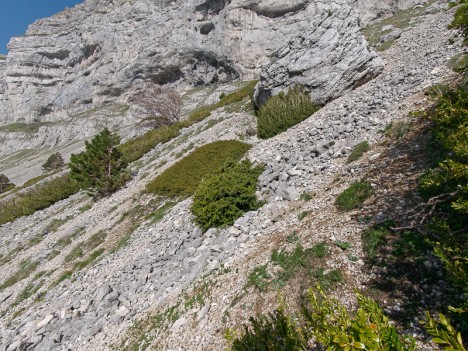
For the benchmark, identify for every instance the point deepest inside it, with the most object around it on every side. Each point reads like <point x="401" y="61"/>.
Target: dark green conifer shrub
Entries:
<point x="283" y="111"/>
<point x="223" y="197"/>
<point x="182" y="178"/>
<point x="5" y="183"/>
<point x="55" y="161"/>
<point x="100" y="168"/>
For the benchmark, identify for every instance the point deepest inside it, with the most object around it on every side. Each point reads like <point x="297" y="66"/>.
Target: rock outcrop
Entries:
<point x="104" y="51"/>
<point x="328" y="60"/>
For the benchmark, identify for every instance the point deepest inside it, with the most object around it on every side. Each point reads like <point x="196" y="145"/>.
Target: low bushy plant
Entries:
<point x="374" y="238"/>
<point x="5" y="183"/>
<point x="283" y="111"/>
<point x="358" y="151"/>
<point x="135" y="148"/>
<point x="182" y="178"/>
<point x="55" y="161"/>
<point x="443" y="333"/>
<point x="354" y="196"/>
<point x="223" y="197"/>
<point x="39" y="197"/>
<point x="460" y="20"/>
<point x="323" y="324"/>
<point x="444" y="187"/>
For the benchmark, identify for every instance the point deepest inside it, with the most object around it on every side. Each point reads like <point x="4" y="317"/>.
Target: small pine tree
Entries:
<point x="55" y="161"/>
<point x="5" y="183"/>
<point x="100" y="168"/>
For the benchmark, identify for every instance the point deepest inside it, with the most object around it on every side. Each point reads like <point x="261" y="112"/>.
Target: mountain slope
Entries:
<point x="161" y="268"/>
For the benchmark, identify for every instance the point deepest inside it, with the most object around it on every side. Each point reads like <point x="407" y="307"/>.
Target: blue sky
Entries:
<point x="16" y="15"/>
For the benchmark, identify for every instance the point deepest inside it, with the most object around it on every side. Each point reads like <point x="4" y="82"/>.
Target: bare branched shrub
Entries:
<point x="162" y="105"/>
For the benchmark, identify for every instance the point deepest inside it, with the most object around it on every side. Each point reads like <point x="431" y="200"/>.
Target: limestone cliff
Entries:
<point x="104" y="50"/>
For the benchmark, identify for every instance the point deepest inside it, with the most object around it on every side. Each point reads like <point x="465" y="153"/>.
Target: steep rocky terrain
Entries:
<point x="165" y="284"/>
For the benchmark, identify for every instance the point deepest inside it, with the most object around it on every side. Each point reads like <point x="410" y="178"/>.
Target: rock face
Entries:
<point x="3" y="103"/>
<point x="328" y="60"/>
<point x="104" y="51"/>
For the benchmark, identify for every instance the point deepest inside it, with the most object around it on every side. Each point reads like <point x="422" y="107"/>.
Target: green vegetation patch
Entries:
<point x="24" y="127"/>
<point x="81" y="249"/>
<point x="359" y="150"/>
<point x="10" y="255"/>
<point x="322" y="323"/>
<point x="285" y="264"/>
<point x="159" y="214"/>
<point x="67" y="240"/>
<point x="182" y="178"/>
<point x="80" y="265"/>
<point x="283" y="111"/>
<point x="397" y="130"/>
<point x="401" y="19"/>
<point x="354" y="196"/>
<point x="374" y="238"/>
<point x="135" y="148"/>
<point x="444" y="187"/>
<point x="27" y="267"/>
<point x="223" y="197"/>
<point x="37" y="198"/>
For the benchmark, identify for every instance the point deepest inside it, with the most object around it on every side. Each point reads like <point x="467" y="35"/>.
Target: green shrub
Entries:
<point x="343" y="245"/>
<point x="443" y="333"/>
<point x="100" y="168"/>
<point x="287" y="264"/>
<point x="182" y="178"/>
<point x="5" y="184"/>
<point x="354" y="196"/>
<point x="135" y="148"/>
<point x="275" y="331"/>
<point x="374" y="238"/>
<point x="283" y="111"/>
<point x="324" y="323"/>
<point x="358" y="151"/>
<point x="223" y="197"/>
<point x="445" y="186"/>
<point x="37" y="198"/>
<point x="461" y="19"/>
<point x="303" y="215"/>
<point x="55" y="161"/>
<point x="397" y="130"/>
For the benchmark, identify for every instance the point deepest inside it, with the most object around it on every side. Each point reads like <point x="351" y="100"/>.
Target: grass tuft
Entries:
<point x="283" y="111"/>
<point x="355" y="195"/>
<point x="358" y="151"/>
